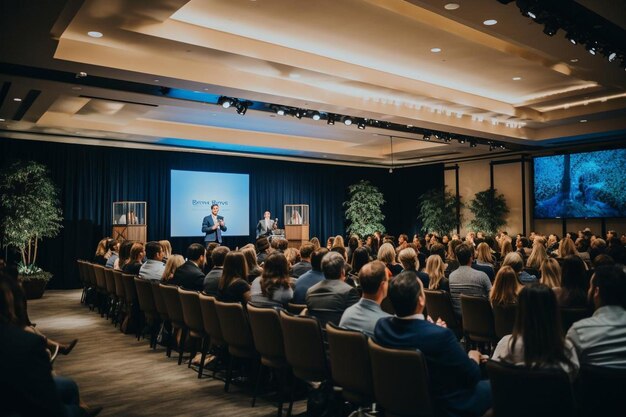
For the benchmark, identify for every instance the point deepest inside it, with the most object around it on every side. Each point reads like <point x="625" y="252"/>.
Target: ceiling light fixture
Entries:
<point x="591" y="48"/>
<point x="426" y="136"/>
<point x="331" y="119"/>
<point x="435" y="50"/>
<point x="551" y="27"/>
<point x="611" y="57"/>
<point x="316" y="115"/>
<point x="583" y="120"/>
<point x="347" y="121"/>
<point x="242" y="107"/>
<point x="225" y="102"/>
<point x="360" y="124"/>
<point x="95" y="34"/>
<point x="17" y="99"/>
<point x="490" y="22"/>
<point x="280" y="112"/>
<point x="516" y="78"/>
<point x="451" y="6"/>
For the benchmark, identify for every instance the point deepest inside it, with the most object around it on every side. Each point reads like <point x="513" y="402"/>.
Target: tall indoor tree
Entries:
<point x="364" y="209"/>
<point x="439" y="211"/>
<point x="29" y="210"/>
<point x="490" y="210"/>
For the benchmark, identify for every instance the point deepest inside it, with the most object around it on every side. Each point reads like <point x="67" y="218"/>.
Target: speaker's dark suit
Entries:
<point x="210" y="234"/>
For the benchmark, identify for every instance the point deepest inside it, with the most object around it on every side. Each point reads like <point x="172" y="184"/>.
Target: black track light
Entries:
<point x="331" y="119"/>
<point x="551" y="27"/>
<point x="347" y="121"/>
<point x="242" y="107"/>
<point x="360" y="124"/>
<point x="473" y="144"/>
<point x="591" y="48"/>
<point x="316" y="115"/>
<point x="225" y="102"/>
<point x="426" y="136"/>
<point x="299" y="113"/>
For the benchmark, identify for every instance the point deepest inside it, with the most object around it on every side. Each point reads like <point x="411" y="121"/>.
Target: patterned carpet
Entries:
<point x="125" y="376"/>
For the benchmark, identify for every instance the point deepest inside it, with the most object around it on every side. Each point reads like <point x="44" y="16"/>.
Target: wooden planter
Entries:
<point x="34" y="287"/>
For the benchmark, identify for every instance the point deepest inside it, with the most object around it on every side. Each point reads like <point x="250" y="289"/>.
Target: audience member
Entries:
<point x="574" y="283"/>
<point x="484" y="256"/>
<point x="135" y="261"/>
<point x="615" y="249"/>
<point x="567" y="247"/>
<point x="387" y="255"/>
<point x="328" y="299"/>
<point x="153" y="268"/>
<point x="100" y="257"/>
<point x="167" y="249"/>
<point x="600" y="340"/>
<point x="436" y="274"/>
<point x="514" y="260"/>
<point x="452" y="263"/>
<point x="212" y="279"/>
<point x="189" y="275"/>
<point x="466" y="280"/>
<point x="537" y="256"/>
<point x="353" y="244"/>
<point x="506" y="248"/>
<point x="113" y="247"/>
<point x="275" y="283"/>
<point x="408" y="260"/>
<point x="172" y="264"/>
<point x="124" y="255"/>
<point x="309" y="279"/>
<point x="360" y="258"/>
<point x="454" y="375"/>
<point x="304" y="265"/>
<point x="254" y="270"/>
<point x="292" y="255"/>
<point x="363" y="315"/>
<point x="550" y="273"/>
<point x="505" y="287"/>
<point x="262" y="249"/>
<point x="316" y="243"/>
<point x="537" y="340"/>
<point x="233" y="287"/>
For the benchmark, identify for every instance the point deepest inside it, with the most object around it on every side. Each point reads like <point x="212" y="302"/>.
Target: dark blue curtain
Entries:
<point x="90" y="178"/>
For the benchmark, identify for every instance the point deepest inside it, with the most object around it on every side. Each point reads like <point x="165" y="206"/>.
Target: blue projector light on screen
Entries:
<point x="581" y="185"/>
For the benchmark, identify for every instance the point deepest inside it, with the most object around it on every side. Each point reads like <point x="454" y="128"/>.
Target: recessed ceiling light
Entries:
<point x="95" y="34"/>
<point x="451" y="6"/>
<point x="490" y="22"/>
<point x="573" y="60"/>
<point x="435" y="50"/>
<point x="17" y="99"/>
<point x="583" y="120"/>
<point x="517" y="78"/>
<point x="156" y="81"/>
<point x="294" y="75"/>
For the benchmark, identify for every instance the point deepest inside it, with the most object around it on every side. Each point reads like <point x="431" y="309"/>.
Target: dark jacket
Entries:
<point x="188" y="276"/>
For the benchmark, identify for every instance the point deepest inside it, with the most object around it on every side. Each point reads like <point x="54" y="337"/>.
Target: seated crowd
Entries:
<point x="377" y="286"/>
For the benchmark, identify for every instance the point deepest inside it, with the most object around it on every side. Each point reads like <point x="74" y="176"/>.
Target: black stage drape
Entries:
<point x="90" y="178"/>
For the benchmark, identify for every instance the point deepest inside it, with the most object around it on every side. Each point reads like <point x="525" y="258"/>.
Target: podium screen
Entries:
<point x="193" y="193"/>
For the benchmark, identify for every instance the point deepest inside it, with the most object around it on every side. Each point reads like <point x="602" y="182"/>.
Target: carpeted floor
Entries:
<point x="125" y="376"/>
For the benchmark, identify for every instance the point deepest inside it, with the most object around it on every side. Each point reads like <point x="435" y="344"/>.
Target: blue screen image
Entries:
<point x="193" y="193"/>
<point x="581" y="185"/>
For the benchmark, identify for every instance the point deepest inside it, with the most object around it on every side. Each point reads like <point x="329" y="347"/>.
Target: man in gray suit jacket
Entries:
<point x="265" y="226"/>
<point x="328" y="299"/>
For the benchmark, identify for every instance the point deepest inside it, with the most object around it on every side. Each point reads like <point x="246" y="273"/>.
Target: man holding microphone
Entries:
<point x="213" y="226"/>
<point x="265" y="225"/>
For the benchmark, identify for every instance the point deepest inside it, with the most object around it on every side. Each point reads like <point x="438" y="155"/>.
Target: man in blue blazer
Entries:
<point x="454" y="375"/>
<point x="213" y="226"/>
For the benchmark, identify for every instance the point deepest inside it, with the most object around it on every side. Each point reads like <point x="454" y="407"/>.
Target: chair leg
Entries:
<point x="204" y="348"/>
<point x="258" y="383"/>
<point x="229" y="375"/>
<point x="183" y="336"/>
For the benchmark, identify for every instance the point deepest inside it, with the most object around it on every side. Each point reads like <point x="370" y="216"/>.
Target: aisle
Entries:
<point x="125" y="376"/>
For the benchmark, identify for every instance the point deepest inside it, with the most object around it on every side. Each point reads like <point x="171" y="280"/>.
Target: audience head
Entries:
<point x="340" y="250"/>
<point x="514" y="260"/>
<point x="333" y="266"/>
<point x="235" y="267"/>
<point x="464" y="253"/>
<point x="439" y="250"/>
<point x="538" y="325"/>
<point x="262" y="245"/>
<point x="567" y="247"/>
<point x="360" y="257"/>
<point x="452" y="245"/>
<point x="608" y="286"/>
<point x="603" y="260"/>
<point x="283" y="244"/>
<point x="550" y="273"/>
<point x="219" y="254"/>
<point x="435" y="271"/>
<point x="306" y="250"/>
<point x="101" y="250"/>
<point x="338" y="241"/>
<point x="197" y="254"/>
<point x="537" y="256"/>
<point x="292" y="255"/>
<point x="137" y="252"/>
<point x="172" y="264"/>
<point x="167" y="248"/>
<point x="275" y="274"/>
<point x="316" y="259"/>
<point x="483" y="253"/>
<point x="250" y="254"/>
<point x="387" y="253"/>
<point x="113" y="245"/>
<point x="505" y="287"/>
<point x="316" y="243"/>
<point x="506" y="247"/>
<point x="574" y="278"/>
<point x="408" y="259"/>
<point x="330" y="242"/>
<point x="124" y="256"/>
<point x="406" y="294"/>
<point x="373" y="278"/>
<point x="154" y="251"/>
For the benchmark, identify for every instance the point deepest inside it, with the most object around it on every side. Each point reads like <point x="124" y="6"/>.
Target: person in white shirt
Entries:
<point x="154" y="267"/>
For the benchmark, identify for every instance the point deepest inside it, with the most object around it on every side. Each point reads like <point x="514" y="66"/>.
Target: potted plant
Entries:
<point x="363" y="209"/>
<point x="438" y="211"/>
<point x="29" y="212"/>
<point x="490" y="210"/>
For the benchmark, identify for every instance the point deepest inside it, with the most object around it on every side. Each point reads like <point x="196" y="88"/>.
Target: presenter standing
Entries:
<point x="213" y="226"/>
<point x="265" y="225"/>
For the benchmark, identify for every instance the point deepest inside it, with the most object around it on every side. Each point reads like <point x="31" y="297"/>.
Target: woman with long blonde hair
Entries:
<point x="435" y="269"/>
<point x="506" y="248"/>
<point x="537" y="256"/>
<point x="551" y="273"/>
<point x="338" y="242"/>
<point x="167" y="249"/>
<point x="172" y="264"/>
<point x="483" y="255"/>
<point x="567" y="247"/>
<point x="387" y="255"/>
<point x="505" y="287"/>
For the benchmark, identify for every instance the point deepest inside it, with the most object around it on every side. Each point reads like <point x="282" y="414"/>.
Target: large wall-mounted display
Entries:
<point x="580" y="185"/>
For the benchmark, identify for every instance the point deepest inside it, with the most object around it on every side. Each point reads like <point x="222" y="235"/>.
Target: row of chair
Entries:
<point x="294" y="346"/>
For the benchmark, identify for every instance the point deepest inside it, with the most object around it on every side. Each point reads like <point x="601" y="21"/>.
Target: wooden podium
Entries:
<point x="296" y="224"/>
<point x="296" y="234"/>
<point x="134" y="232"/>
